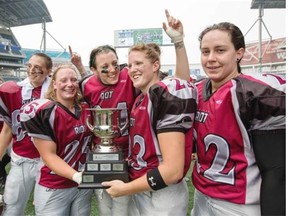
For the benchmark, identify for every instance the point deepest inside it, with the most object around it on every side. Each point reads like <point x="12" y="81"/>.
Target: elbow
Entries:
<point x="178" y="176"/>
<point x="174" y="176"/>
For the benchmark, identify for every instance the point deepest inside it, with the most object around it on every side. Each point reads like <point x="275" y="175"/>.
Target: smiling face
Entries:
<point x="144" y="65"/>
<point x="106" y="67"/>
<point x="37" y="70"/>
<point x="219" y="57"/>
<point x="66" y="86"/>
<point x="142" y="71"/>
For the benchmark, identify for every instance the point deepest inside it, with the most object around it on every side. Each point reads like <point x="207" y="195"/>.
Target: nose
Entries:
<point x="132" y="68"/>
<point x="211" y="56"/>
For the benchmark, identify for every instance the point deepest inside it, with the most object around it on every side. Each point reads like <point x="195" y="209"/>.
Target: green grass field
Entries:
<point x="29" y="211"/>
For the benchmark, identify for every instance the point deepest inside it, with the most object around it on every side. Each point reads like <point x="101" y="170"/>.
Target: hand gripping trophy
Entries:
<point x="105" y="162"/>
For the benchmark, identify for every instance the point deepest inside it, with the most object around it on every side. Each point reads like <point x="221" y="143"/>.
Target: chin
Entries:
<point x="137" y="85"/>
<point x="114" y="82"/>
<point x="213" y="76"/>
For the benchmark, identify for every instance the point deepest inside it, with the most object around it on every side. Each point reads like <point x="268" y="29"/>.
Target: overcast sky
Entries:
<point x="88" y="23"/>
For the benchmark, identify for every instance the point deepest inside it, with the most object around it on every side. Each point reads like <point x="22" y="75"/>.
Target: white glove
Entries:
<point x="175" y="36"/>
<point x="77" y="177"/>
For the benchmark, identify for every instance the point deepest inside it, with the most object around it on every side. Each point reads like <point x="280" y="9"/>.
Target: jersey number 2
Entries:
<point x="215" y="171"/>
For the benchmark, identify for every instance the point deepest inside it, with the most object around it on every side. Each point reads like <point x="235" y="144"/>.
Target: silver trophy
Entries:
<point x="106" y="161"/>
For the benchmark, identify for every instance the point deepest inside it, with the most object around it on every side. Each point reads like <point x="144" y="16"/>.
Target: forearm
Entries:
<point x="82" y="71"/>
<point x="137" y="186"/>
<point x="182" y="70"/>
<point x="59" y="166"/>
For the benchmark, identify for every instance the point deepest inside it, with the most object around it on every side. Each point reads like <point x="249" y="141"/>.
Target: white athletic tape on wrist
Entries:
<point x="175" y="36"/>
<point x="77" y="177"/>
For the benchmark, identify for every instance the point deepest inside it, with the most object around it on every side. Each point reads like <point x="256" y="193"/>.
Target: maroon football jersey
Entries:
<point x="52" y="121"/>
<point x="10" y="104"/>
<point x="120" y="95"/>
<point x="169" y="106"/>
<point x="226" y="166"/>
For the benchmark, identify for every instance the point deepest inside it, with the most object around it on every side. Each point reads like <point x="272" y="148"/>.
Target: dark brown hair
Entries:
<point x="237" y="38"/>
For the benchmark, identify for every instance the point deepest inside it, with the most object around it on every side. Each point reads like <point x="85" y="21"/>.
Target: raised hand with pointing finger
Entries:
<point x="77" y="61"/>
<point x="174" y="29"/>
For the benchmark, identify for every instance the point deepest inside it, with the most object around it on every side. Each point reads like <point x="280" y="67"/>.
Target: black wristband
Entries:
<point x="155" y="179"/>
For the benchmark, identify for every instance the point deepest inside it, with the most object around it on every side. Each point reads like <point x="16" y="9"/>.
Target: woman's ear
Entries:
<point x="156" y="66"/>
<point x="240" y="53"/>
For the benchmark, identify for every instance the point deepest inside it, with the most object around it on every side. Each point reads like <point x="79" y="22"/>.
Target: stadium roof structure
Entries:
<point x="266" y="4"/>
<point x="15" y="13"/>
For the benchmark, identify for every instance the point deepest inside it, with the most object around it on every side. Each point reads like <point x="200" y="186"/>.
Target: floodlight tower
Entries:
<point x="43" y="41"/>
<point x="260" y="5"/>
<point x="260" y="22"/>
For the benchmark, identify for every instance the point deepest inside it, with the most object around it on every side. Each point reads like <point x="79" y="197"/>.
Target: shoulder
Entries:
<point x="31" y="109"/>
<point x="40" y="102"/>
<point x="86" y="79"/>
<point x="177" y="87"/>
<point x="265" y="80"/>
<point x="124" y="69"/>
<point x="124" y="74"/>
<point x="9" y="87"/>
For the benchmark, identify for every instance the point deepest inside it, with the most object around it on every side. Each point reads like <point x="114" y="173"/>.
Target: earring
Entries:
<point x="237" y="59"/>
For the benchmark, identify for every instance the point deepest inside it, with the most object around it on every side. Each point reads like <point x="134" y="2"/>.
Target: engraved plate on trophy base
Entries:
<point x="97" y="172"/>
<point x="104" y="156"/>
<point x="103" y="166"/>
<point x="94" y="179"/>
<point x="106" y="162"/>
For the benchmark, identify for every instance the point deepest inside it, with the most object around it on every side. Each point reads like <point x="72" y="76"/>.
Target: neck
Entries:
<point x="70" y="105"/>
<point x="151" y="83"/>
<point x="35" y="85"/>
<point x="217" y="84"/>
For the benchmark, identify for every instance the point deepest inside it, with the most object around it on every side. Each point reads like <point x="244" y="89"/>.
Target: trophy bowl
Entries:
<point x="105" y="162"/>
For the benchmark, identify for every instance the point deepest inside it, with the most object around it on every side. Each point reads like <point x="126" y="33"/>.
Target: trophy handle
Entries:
<point x="88" y="124"/>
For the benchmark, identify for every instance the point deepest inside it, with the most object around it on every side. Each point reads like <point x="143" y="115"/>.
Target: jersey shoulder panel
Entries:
<point x="9" y="87"/>
<point x="174" y="103"/>
<point x="275" y="81"/>
<point x="83" y="82"/>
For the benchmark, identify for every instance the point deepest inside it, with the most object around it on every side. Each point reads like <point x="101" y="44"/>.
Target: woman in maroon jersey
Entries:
<point x="24" y="156"/>
<point x="160" y="135"/>
<point x="59" y="131"/>
<point x="240" y="126"/>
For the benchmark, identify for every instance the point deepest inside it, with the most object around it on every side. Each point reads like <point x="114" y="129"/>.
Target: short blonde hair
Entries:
<point x="152" y="51"/>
